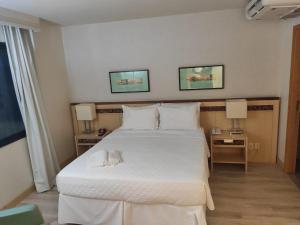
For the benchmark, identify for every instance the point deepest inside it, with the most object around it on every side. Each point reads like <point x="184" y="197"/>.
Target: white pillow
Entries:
<point x="140" y="118"/>
<point x="184" y="117"/>
<point x="183" y="105"/>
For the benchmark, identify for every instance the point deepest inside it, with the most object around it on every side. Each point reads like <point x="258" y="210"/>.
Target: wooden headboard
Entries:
<point x="261" y="125"/>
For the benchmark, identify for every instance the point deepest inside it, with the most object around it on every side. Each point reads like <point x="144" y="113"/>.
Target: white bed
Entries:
<point x="162" y="180"/>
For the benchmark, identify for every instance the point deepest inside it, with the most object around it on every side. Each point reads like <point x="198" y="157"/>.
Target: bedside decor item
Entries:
<point x="201" y="77"/>
<point x="216" y="130"/>
<point x="86" y="113"/>
<point x="102" y="131"/>
<point x="236" y="109"/>
<point x="129" y="81"/>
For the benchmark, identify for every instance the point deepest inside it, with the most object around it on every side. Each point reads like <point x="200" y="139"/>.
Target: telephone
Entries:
<point x="216" y="130"/>
<point x="101" y="131"/>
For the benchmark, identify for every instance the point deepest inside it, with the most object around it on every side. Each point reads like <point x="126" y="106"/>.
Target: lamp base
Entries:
<point x="89" y="131"/>
<point x="235" y="128"/>
<point x="87" y="127"/>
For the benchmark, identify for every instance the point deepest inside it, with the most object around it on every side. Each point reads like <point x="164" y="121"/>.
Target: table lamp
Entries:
<point x="236" y="109"/>
<point x="86" y="113"/>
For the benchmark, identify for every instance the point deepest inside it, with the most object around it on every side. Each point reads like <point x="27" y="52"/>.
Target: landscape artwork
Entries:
<point x="201" y="77"/>
<point x="129" y="81"/>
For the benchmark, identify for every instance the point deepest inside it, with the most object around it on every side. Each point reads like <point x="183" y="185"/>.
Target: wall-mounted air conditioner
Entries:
<point x="272" y="9"/>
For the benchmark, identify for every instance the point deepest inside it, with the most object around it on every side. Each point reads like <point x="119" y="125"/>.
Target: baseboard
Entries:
<point x="67" y="161"/>
<point x="20" y="197"/>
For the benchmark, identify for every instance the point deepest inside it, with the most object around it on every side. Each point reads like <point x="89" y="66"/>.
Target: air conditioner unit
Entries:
<point x="272" y="9"/>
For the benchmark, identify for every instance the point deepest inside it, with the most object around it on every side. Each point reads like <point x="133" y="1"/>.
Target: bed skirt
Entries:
<point x="104" y="212"/>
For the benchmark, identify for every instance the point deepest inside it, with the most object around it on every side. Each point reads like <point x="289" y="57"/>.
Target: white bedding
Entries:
<point x="159" y="167"/>
<point x="85" y="211"/>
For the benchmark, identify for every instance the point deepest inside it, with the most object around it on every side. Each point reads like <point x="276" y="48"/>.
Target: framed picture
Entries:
<point x="201" y="77"/>
<point x="129" y="81"/>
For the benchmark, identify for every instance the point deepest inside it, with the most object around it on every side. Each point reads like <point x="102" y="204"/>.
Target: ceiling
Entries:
<point x="74" y="12"/>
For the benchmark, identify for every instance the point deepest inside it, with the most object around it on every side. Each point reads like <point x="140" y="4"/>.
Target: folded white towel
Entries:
<point x="99" y="158"/>
<point x="103" y="158"/>
<point x="114" y="158"/>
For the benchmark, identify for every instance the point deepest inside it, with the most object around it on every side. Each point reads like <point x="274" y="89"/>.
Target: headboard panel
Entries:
<point x="261" y="125"/>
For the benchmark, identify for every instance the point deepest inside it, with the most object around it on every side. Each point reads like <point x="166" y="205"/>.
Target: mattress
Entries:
<point x="159" y="167"/>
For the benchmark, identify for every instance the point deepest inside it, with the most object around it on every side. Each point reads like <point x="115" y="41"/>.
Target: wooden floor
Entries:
<point x="263" y="196"/>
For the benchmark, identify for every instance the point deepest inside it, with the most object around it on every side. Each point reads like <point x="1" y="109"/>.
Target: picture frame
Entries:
<point x="201" y="77"/>
<point x="129" y="81"/>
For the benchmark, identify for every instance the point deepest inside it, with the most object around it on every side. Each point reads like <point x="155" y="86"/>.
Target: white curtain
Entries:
<point x="20" y="48"/>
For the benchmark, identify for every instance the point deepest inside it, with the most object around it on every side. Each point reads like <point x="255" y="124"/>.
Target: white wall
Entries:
<point x="257" y="56"/>
<point x="249" y="51"/>
<point x="52" y="75"/>
<point x="15" y="171"/>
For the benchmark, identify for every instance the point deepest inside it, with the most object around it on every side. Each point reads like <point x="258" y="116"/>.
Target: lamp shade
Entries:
<point x="85" y="111"/>
<point x="236" y="109"/>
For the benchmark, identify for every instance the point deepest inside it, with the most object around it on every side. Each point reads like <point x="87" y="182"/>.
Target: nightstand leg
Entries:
<point x="246" y="155"/>
<point x="211" y="156"/>
<point x="76" y="146"/>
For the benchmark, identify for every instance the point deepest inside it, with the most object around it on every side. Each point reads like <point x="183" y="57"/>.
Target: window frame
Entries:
<point x="12" y="138"/>
<point x="15" y="136"/>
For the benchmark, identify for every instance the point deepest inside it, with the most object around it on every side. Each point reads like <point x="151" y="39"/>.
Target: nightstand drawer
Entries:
<point x="229" y="142"/>
<point x="83" y="141"/>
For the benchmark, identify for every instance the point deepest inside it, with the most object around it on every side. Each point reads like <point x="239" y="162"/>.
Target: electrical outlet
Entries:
<point x="257" y="146"/>
<point x="251" y="146"/>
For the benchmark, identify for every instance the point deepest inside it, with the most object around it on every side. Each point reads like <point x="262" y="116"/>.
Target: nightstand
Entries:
<point x="83" y="142"/>
<point x="229" y="149"/>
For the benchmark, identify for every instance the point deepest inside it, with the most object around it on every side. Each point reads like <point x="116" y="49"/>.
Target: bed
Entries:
<point x="163" y="180"/>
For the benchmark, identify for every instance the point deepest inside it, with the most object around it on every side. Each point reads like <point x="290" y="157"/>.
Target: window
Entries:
<point x="11" y="123"/>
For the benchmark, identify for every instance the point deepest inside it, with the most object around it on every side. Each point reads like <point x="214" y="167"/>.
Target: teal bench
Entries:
<point x="22" y="215"/>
